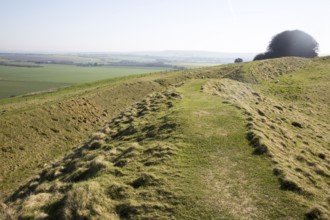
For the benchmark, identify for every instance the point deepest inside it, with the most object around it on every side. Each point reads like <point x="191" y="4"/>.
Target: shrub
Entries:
<point x="238" y="60"/>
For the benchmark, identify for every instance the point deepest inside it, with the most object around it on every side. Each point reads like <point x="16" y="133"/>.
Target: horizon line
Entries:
<point x="109" y="52"/>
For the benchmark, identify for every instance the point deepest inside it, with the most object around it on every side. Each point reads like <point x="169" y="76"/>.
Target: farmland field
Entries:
<point x="10" y="88"/>
<point x="21" y="80"/>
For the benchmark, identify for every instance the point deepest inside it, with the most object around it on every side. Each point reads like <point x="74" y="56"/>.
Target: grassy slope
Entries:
<point x="38" y="129"/>
<point x="223" y="179"/>
<point x="122" y="172"/>
<point x="288" y="121"/>
<point x="194" y="160"/>
<point x="52" y="125"/>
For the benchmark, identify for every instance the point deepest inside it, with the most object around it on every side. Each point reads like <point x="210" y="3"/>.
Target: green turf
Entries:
<point x="222" y="178"/>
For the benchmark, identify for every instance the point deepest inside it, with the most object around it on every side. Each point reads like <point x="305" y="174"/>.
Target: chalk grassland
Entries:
<point x="53" y="124"/>
<point x="22" y="80"/>
<point x="246" y="141"/>
<point x="288" y="114"/>
<point x="152" y="162"/>
<point x="50" y="124"/>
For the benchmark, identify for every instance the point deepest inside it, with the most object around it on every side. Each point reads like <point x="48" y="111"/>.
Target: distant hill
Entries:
<point x="235" y="141"/>
<point x="168" y="57"/>
<point x="196" y="56"/>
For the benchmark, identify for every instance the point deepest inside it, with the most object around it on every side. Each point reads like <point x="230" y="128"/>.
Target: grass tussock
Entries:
<point x="87" y="200"/>
<point x="6" y="213"/>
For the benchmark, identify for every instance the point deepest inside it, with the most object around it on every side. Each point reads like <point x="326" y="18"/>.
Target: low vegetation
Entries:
<point x="238" y="141"/>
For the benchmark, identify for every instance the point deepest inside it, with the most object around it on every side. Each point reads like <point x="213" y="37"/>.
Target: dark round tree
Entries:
<point x="238" y="60"/>
<point x="290" y="43"/>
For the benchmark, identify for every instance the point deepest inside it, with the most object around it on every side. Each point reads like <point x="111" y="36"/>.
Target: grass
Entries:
<point x="50" y="127"/>
<point x="268" y="70"/>
<point x="306" y="85"/>
<point x="288" y="121"/>
<point x="50" y="124"/>
<point x="162" y="158"/>
<point x="222" y="177"/>
<point x="22" y="80"/>
<point x="120" y="173"/>
<point x="225" y="142"/>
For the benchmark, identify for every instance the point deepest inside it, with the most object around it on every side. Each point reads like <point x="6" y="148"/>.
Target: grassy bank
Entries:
<point x="223" y="179"/>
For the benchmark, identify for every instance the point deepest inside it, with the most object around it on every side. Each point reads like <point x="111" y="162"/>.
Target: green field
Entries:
<point x="16" y="81"/>
<point x="9" y="88"/>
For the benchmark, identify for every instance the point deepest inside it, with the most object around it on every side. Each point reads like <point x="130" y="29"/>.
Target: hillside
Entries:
<point x="241" y="141"/>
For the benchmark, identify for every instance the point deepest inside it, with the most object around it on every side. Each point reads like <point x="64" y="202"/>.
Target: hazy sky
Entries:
<point x="150" y="25"/>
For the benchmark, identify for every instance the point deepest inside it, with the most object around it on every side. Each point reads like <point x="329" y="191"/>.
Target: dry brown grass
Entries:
<point x="87" y="200"/>
<point x="6" y="213"/>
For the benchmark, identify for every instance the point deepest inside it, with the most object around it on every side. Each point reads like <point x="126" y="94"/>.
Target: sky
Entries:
<point x="245" y="26"/>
